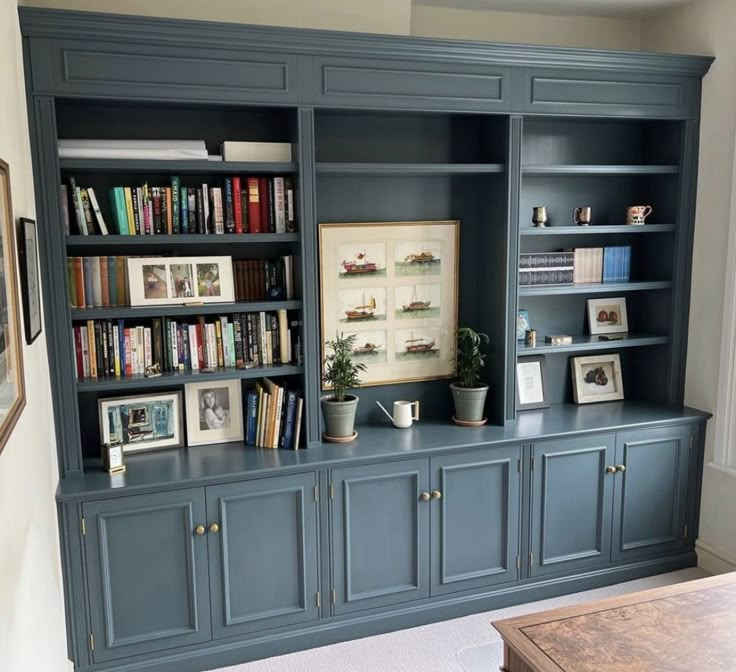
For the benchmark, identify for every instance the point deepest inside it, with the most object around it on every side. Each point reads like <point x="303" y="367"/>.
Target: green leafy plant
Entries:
<point x="469" y="360"/>
<point x="341" y="373"/>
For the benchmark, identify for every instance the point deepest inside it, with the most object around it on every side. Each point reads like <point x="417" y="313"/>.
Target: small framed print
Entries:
<point x="597" y="378"/>
<point x="214" y="412"/>
<point x="155" y="281"/>
<point x="608" y="316"/>
<point x="530" y="383"/>
<point x="30" y="285"/>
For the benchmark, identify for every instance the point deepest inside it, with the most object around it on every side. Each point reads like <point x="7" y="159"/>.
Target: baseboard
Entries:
<point x="69" y="666"/>
<point x="713" y="560"/>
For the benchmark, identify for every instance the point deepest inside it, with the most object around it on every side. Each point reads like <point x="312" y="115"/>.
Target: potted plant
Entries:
<point x="468" y="393"/>
<point x="341" y="374"/>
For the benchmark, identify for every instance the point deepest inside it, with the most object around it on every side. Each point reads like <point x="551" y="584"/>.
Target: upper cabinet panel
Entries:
<point x="607" y="93"/>
<point x="156" y="72"/>
<point x="415" y="85"/>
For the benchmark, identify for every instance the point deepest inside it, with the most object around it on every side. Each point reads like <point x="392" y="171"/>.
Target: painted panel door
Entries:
<point x="474" y="522"/>
<point x="147" y="573"/>
<point x="650" y="493"/>
<point x="572" y="496"/>
<point x="263" y="559"/>
<point x="380" y="527"/>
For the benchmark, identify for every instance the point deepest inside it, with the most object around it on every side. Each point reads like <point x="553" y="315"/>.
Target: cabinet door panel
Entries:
<point x="475" y="524"/>
<point x="571" y="507"/>
<point x="650" y="497"/>
<point x="381" y="534"/>
<point x="147" y="573"/>
<point x="263" y="561"/>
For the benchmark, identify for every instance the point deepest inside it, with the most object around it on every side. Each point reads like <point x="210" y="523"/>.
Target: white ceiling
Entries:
<point x="611" y="8"/>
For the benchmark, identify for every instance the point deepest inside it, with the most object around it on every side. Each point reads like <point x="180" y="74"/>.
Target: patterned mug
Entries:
<point x="636" y="214"/>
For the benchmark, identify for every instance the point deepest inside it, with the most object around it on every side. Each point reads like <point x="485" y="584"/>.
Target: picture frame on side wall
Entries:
<point x="30" y="283"/>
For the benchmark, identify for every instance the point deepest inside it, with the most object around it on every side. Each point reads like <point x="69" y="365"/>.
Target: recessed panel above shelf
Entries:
<point x="132" y="312"/>
<point x="398" y="169"/>
<point x="184" y="239"/>
<point x="595" y="230"/>
<point x="563" y="170"/>
<point x="602" y="288"/>
<point x="174" y="167"/>
<point x="587" y="342"/>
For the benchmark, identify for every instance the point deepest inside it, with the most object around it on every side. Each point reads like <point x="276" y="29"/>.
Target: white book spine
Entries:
<point x="85" y="352"/>
<point x="193" y="347"/>
<point x="279" y="204"/>
<point x="133" y="351"/>
<point x="96" y="209"/>
<point x="225" y="341"/>
<point x="174" y="346"/>
<point x="140" y="340"/>
<point x="147" y="346"/>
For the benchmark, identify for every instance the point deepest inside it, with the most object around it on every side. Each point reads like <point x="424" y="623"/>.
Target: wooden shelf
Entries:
<point x="409" y="169"/>
<point x="180" y="378"/>
<point x="598" y="288"/>
<point x="596" y="230"/>
<point x="586" y="342"/>
<point x="185" y="239"/>
<point x="132" y="312"/>
<point x="583" y="170"/>
<point x="174" y="167"/>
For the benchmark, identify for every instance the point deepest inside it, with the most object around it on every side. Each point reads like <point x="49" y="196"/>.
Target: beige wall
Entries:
<point x="31" y="604"/>
<point x="707" y="28"/>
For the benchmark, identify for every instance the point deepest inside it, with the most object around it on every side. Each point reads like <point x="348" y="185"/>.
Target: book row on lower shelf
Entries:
<point x="114" y="348"/>
<point x="249" y="204"/>
<point x="583" y="265"/>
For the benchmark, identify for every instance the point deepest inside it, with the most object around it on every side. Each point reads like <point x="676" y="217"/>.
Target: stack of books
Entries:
<point x="546" y="268"/>
<point x="602" y="264"/>
<point x="97" y="281"/>
<point x="146" y="150"/>
<point x="257" y="280"/>
<point x="617" y="263"/>
<point x="273" y="416"/>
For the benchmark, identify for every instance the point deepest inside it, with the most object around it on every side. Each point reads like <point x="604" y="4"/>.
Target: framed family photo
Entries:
<point x="394" y="286"/>
<point x="29" y="277"/>
<point x="597" y="378"/>
<point x="214" y="412"/>
<point x="154" y="281"/>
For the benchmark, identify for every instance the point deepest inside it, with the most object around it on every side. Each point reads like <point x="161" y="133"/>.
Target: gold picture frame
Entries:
<point x="394" y="285"/>
<point x="12" y="382"/>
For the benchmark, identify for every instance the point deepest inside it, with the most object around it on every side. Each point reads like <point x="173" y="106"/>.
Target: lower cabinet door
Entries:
<point x="572" y="496"/>
<point x="380" y="529"/>
<point x="650" y="495"/>
<point x="147" y="573"/>
<point x="263" y="558"/>
<point x="475" y="519"/>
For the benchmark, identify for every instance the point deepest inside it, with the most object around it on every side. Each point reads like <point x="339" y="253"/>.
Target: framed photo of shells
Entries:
<point x="393" y="285"/>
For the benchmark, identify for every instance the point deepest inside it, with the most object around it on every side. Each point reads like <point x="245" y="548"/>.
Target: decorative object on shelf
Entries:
<point x="393" y="285"/>
<point x="214" y="412"/>
<point x="142" y="422"/>
<point x="546" y="268"/>
<point x="112" y="459"/>
<point x="539" y="216"/>
<point x="582" y="216"/>
<point x="612" y="337"/>
<point x="12" y="384"/>
<point x="637" y="214"/>
<point x="597" y="378"/>
<point x="530" y="338"/>
<point x="404" y="414"/>
<point x="155" y="281"/>
<point x="341" y="374"/>
<point x="468" y="393"/>
<point x="152" y="370"/>
<point x="522" y="324"/>
<point x="30" y="284"/>
<point x="608" y="316"/>
<point x="558" y="339"/>
<point x="531" y="373"/>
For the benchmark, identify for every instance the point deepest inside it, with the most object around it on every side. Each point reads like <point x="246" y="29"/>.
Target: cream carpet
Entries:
<point x="467" y="644"/>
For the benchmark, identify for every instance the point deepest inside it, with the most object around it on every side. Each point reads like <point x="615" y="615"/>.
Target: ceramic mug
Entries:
<point x="582" y="216"/>
<point x="636" y="214"/>
<point x="539" y="216"/>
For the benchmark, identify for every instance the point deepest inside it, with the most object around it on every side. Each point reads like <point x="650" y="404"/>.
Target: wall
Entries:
<point x="32" y="635"/>
<point x="707" y="28"/>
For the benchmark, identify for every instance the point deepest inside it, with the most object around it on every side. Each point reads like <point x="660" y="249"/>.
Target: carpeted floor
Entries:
<point x="466" y="644"/>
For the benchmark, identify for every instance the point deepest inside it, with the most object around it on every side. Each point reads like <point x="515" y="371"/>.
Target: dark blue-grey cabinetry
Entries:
<point x="147" y="573"/>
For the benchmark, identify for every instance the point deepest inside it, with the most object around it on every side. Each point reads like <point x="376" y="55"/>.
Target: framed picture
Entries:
<point x="214" y="412"/>
<point x="142" y="422"/>
<point x="531" y="373"/>
<point x="30" y="284"/>
<point x="608" y="316"/>
<point x="155" y="281"/>
<point x="393" y="285"/>
<point x="522" y="324"/>
<point x="597" y="378"/>
<point x="12" y="384"/>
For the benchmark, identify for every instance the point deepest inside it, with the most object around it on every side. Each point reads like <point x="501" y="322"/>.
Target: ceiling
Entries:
<point x="610" y="8"/>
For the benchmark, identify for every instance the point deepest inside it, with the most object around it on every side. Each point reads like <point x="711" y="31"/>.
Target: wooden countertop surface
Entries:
<point x="680" y="628"/>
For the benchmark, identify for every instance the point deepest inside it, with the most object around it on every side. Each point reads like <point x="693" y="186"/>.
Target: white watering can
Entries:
<point x="404" y="414"/>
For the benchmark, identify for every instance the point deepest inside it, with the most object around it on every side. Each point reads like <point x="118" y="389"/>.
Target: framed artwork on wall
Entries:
<point x="30" y="283"/>
<point x="12" y="383"/>
<point x="393" y="285"/>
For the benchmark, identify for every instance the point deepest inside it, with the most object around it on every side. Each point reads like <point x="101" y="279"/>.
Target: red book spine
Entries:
<point x="78" y="351"/>
<point x="263" y="202"/>
<point x="237" y="205"/>
<point x="254" y="206"/>
<point x="128" y="354"/>
<point x="200" y="349"/>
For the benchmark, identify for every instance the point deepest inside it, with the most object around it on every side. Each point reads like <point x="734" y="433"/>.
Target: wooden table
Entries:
<point x="686" y="627"/>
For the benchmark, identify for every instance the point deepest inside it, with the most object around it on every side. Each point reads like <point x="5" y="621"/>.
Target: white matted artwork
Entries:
<point x="393" y="285"/>
<point x="156" y="281"/>
<point x="608" y="316"/>
<point x="214" y="412"/>
<point x="597" y="378"/>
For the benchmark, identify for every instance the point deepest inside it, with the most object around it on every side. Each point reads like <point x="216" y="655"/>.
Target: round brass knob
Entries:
<point x="611" y="470"/>
<point x="214" y="528"/>
<point x="199" y="530"/>
<point x="425" y="496"/>
<point x="621" y="467"/>
<point x="436" y="494"/>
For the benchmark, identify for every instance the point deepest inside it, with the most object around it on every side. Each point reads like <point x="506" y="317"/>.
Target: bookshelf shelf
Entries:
<point x="132" y="312"/>
<point x="587" y="343"/>
<point x="563" y="170"/>
<point x="600" y="288"/>
<point x="409" y="169"/>
<point x="175" y="167"/>
<point x="185" y="239"/>
<point x="596" y="230"/>
<point x="179" y="378"/>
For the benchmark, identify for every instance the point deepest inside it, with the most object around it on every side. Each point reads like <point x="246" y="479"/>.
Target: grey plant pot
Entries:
<point x="339" y="416"/>
<point x="470" y="402"/>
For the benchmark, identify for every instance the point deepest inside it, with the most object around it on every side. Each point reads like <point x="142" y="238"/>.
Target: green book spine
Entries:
<point x="72" y="281"/>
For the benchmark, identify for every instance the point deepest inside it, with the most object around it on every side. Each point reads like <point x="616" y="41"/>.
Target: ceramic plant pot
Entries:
<point x="470" y="402"/>
<point x="339" y="416"/>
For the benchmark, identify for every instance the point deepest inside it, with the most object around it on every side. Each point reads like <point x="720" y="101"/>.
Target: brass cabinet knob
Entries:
<point x="425" y="496"/>
<point x="199" y="530"/>
<point x="611" y="470"/>
<point x="214" y="528"/>
<point x="621" y="468"/>
<point x="436" y="494"/>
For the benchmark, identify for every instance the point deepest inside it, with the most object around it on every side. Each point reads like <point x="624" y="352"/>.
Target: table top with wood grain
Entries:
<point x="678" y="628"/>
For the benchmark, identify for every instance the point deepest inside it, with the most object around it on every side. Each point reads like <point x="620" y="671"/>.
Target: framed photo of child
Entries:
<point x="214" y="412"/>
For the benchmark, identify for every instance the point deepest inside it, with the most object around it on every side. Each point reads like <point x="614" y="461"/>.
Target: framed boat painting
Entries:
<point x="393" y="285"/>
<point x="12" y="385"/>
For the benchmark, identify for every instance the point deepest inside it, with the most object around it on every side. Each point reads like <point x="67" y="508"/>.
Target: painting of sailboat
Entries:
<point x="362" y="305"/>
<point x="361" y="260"/>
<point x="417" y="344"/>
<point x="421" y="257"/>
<point x="370" y="347"/>
<point x="413" y="302"/>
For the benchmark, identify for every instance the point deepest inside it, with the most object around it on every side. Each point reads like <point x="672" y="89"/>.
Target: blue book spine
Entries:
<point x="251" y="420"/>
<point x="121" y="338"/>
<point x="627" y="264"/>
<point x="87" y="272"/>
<point x="112" y="280"/>
<point x="288" y="438"/>
<point x="184" y="210"/>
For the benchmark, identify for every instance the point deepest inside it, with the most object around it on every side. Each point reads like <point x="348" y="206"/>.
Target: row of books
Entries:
<point x="97" y="281"/>
<point x="248" y="205"/>
<point x="582" y="265"/>
<point x="107" y="348"/>
<point x="273" y="416"/>
<point x="257" y="280"/>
